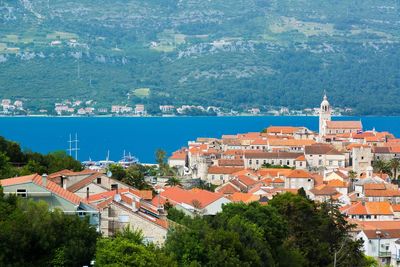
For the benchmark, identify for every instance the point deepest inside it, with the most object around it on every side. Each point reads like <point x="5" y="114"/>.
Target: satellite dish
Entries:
<point x="109" y="174"/>
<point x="117" y="198"/>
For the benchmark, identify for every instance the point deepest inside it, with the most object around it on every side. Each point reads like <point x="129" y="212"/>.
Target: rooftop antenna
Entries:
<point x="74" y="148"/>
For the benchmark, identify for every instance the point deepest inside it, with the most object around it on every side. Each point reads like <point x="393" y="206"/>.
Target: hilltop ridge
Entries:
<point x="255" y="53"/>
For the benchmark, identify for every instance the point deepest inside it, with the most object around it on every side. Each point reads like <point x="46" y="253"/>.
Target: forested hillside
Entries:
<point x="253" y="53"/>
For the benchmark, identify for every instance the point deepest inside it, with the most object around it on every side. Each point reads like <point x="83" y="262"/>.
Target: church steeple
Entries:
<point x="324" y="115"/>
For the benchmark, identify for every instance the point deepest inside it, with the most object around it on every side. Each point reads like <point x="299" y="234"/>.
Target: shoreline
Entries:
<point x="183" y="116"/>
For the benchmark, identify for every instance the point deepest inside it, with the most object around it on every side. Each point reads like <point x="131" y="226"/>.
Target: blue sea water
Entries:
<point x="142" y="136"/>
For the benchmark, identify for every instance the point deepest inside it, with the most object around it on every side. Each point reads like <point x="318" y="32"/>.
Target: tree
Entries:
<point x="30" y="235"/>
<point x="173" y="181"/>
<point x="382" y="166"/>
<point x="135" y="177"/>
<point x="5" y="166"/>
<point x="160" y="157"/>
<point x="118" y="172"/>
<point x="394" y="164"/>
<point x="128" y="249"/>
<point x="318" y="230"/>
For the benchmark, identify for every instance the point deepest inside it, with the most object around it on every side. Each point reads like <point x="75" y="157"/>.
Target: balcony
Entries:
<point x="385" y="254"/>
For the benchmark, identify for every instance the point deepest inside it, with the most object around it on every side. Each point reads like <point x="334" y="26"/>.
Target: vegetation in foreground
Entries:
<point x="290" y="231"/>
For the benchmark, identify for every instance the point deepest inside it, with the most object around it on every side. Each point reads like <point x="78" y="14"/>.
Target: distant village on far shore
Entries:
<point x="19" y="107"/>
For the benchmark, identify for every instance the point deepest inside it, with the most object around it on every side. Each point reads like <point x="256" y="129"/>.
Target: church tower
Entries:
<point x="324" y="115"/>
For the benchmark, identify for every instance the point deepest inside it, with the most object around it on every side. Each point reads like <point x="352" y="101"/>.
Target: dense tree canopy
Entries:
<point x="290" y="231"/>
<point x="30" y="235"/>
<point x="14" y="161"/>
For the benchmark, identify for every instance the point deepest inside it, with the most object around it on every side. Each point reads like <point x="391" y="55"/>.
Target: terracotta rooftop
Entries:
<point x="282" y="129"/>
<point x="325" y="191"/>
<point x="75" y="187"/>
<point x="290" y="142"/>
<point x="369" y="208"/>
<point x="51" y="186"/>
<point x="227" y="189"/>
<point x="321" y="149"/>
<point x="223" y="170"/>
<point x="344" y="125"/>
<point x="271" y="155"/>
<point x="243" y="197"/>
<point x="300" y="174"/>
<point x="177" y="195"/>
<point x="231" y="162"/>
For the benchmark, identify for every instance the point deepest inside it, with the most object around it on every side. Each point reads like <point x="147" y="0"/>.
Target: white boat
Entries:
<point x="128" y="160"/>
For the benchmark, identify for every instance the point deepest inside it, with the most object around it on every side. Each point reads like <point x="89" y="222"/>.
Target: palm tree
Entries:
<point x="381" y="166"/>
<point x="394" y="164"/>
<point x="173" y="181"/>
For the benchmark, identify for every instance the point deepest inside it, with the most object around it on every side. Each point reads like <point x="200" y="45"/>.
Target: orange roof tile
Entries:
<point x="282" y="129"/>
<point x="290" y="142"/>
<point x="336" y="183"/>
<point x="243" y="197"/>
<point x="344" y="125"/>
<point x="301" y="158"/>
<point x="247" y="181"/>
<point x="374" y="186"/>
<point x="176" y="195"/>
<point x="75" y="187"/>
<point x="370" y="208"/>
<point x="300" y="174"/>
<point x="223" y="170"/>
<point x="227" y="189"/>
<point x="51" y="186"/>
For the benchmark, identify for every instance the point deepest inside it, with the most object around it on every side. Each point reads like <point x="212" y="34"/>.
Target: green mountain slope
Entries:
<point x="224" y="53"/>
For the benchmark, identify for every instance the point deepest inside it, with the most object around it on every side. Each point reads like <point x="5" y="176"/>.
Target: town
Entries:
<point x="87" y="108"/>
<point x="343" y="164"/>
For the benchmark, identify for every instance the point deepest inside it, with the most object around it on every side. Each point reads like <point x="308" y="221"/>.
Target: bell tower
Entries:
<point x="324" y="115"/>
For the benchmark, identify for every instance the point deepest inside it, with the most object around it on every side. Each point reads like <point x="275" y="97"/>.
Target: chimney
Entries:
<point x="63" y="183"/>
<point x="44" y="179"/>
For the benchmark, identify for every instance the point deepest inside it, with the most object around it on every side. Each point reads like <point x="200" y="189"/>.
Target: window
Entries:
<point x="257" y="161"/>
<point x="250" y="161"/>
<point x="368" y="216"/>
<point x="301" y="163"/>
<point x="22" y="193"/>
<point x="212" y="177"/>
<point x="362" y="157"/>
<point x="114" y="187"/>
<point x="81" y="214"/>
<point x="99" y="180"/>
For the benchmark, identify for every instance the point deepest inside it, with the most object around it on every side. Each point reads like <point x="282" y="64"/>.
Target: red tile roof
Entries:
<point x="223" y="170"/>
<point x="51" y="186"/>
<point x="344" y="125"/>
<point x="243" y="197"/>
<point x="227" y="189"/>
<point x="300" y="174"/>
<point x="177" y="195"/>
<point x="231" y="162"/>
<point x="75" y="187"/>
<point x="369" y="208"/>
<point x="282" y="129"/>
